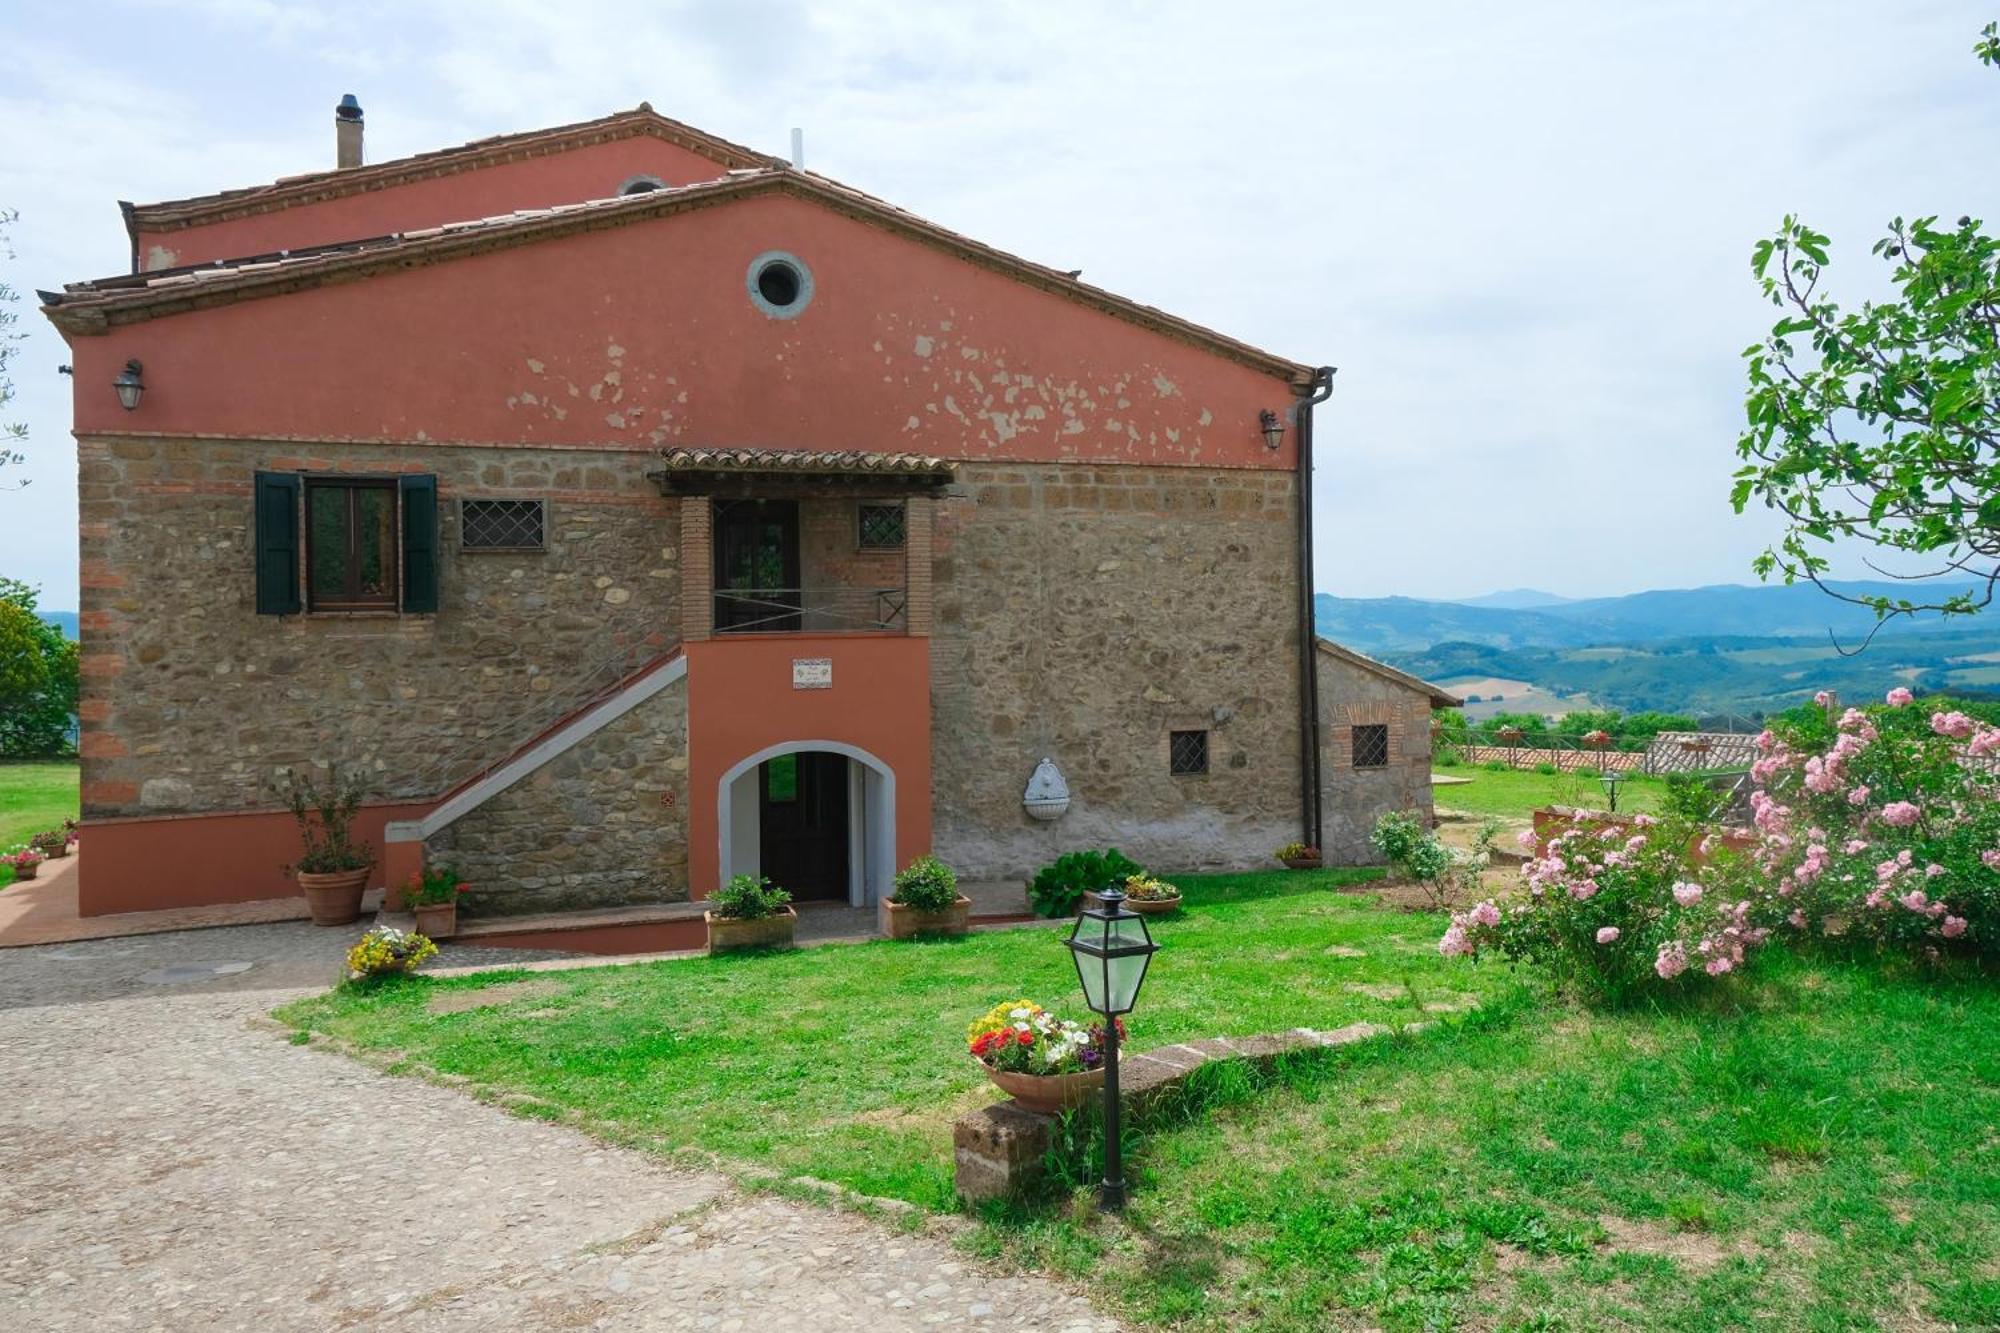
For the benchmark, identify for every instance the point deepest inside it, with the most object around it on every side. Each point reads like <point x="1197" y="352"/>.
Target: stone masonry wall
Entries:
<point x="1354" y="798"/>
<point x="1085" y="611"/>
<point x="191" y="702"/>
<point x="602" y="825"/>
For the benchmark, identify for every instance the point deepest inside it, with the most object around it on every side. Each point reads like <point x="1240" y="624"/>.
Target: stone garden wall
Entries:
<point x="1083" y="613"/>
<point x="602" y="825"/>
<point x="191" y="701"/>
<point x="1354" y="798"/>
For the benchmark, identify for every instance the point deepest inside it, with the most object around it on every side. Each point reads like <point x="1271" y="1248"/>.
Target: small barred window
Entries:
<point x="1371" y="747"/>
<point x="502" y="525"/>
<point x="1187" y="753"/>
<point x="881" y="527"/>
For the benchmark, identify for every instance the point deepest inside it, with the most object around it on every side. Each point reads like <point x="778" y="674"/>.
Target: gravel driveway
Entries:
<point x="167" y="1161"/>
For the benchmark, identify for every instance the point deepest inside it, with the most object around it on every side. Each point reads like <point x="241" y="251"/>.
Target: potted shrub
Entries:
<point x="1298" y="856"/>
<point x="52" y="844"/>
<point x="332" y="868"/>
<point x="26" y="863"/>
<point x="1151" y="897"/>
<point x="385" y="951"/>
<point x="433" y="895"/>
<point x="750" y="912"/>
<point x="1047" y="1064"/>
<point x="1057" y="889"/>
<point x="927" y="901"/>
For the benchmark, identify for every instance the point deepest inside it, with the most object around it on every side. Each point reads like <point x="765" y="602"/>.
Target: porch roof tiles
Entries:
<point x="680" y="465"/>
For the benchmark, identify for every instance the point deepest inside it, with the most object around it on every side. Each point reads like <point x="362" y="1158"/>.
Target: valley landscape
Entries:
<point x="1727" y="649"/>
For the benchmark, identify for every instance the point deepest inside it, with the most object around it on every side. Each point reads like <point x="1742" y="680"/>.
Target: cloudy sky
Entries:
<point x="1521" y="231"/>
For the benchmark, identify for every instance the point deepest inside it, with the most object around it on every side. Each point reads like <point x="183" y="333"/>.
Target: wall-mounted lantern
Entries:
<point x="130" y="384"/>
<point x="1273" y="428"/>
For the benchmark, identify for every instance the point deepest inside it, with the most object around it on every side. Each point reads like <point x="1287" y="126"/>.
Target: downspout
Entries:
<point x="1312" y="815"/>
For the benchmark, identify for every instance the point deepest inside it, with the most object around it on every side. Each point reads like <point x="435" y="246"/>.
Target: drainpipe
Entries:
<point x="1312" y="817"/>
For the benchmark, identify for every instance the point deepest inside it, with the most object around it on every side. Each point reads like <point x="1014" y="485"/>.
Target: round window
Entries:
<point x="780" y="284"/>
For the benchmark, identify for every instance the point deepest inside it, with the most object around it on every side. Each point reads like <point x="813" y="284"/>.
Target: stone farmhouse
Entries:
<point x="635" y="509"/>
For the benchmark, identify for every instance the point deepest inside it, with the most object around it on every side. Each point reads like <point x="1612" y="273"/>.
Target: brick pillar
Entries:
<point x="917" y="514"/>
<point x="697" y="568"/>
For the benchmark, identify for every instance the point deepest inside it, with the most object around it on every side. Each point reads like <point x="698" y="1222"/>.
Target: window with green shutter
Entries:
<point x="369" y="543"/>
<point x="276" y="500"/>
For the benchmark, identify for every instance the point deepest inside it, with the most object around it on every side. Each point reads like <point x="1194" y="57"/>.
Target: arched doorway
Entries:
<point x="819" y="813"/>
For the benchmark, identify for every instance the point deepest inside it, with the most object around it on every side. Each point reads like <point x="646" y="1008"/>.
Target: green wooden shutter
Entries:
<point x="277" y="543"/>
<point x="420" y="543"/>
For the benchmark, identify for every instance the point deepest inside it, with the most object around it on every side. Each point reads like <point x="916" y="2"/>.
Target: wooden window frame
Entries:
<point x="393" y="601"/>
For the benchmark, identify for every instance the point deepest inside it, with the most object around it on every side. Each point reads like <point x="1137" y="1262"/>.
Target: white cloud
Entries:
<point x="1521" y="231"/>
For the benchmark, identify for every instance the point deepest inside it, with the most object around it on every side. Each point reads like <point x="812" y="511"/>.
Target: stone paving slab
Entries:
<point x="168" y="1161"/>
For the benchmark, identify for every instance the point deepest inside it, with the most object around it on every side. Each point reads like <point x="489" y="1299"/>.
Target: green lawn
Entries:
<point x="34" y="796"/>
<point x="1813" y="1150"/>
<point x="1518" y="792"/>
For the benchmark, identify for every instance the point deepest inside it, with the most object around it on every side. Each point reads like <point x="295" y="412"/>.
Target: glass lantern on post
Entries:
<point x="1112" y="948"/>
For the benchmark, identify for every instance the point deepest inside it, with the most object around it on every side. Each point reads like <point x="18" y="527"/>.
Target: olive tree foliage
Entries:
<point x="38" y="679"/>
<point x="11" y="432"/>
<point x="1881" y="423"/>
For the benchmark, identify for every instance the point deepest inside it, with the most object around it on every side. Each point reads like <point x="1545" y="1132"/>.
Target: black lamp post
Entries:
<point x="1611" y="777"/>
<point x="1111" y="947"/>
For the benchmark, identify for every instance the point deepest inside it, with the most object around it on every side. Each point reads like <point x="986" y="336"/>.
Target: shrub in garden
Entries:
<point x="926" y="885"/>
<point x="1546" y="769"/>
<point x="1614" y="910"/>
<point x="748" y="898"/>
<point x="1058" y="888"/>
<point x="1418" y="855"/>
<point x="1883" y="825"/>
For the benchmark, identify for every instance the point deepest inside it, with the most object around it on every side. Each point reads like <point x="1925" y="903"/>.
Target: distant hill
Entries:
<point x="1516" y="599"/>
<point x="63" y="620"/>
<point x="1730" y="648"/>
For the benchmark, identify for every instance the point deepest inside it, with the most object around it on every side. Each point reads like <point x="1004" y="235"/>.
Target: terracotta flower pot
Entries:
<point x="27" y="872"/>
<point x="52" y="850"/>
<point x="728" y="934"/>
<point x="1154" y="906"/>
<point x="1302" y="863"/>
<point x="334" y="899"/>
<point x="1047" y="1094"/>
<point x="437" y="920"/>
<point x="904" y="922"/>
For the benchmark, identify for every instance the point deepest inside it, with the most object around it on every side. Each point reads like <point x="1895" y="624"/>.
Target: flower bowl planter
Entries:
<point x="439" y="921"/>
<point x="1047" y="1094"/>
<point x="334" y="899"/>
<point x="906" y="922"/>
<point x="729" y="934"/>
<point x="1302" y="862"/>
<point x="27" y="872"/>
<point x="52" y="851"/>
<point x="1154" y="906"/>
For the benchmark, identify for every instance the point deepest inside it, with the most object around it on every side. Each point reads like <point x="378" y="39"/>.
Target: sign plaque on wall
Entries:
<point x="812" y="673"/>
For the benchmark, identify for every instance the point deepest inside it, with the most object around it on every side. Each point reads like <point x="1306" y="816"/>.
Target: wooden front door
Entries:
<point x="757" y="565"/>
<point x="802" y="819"/>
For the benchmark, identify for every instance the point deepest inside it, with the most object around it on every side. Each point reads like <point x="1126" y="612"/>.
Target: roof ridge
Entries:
<point x="334" y="181"/>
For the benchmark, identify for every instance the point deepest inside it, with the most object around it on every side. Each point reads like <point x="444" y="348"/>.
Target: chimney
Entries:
<point x="798" y="149"/>
<point x="347" y="133"/>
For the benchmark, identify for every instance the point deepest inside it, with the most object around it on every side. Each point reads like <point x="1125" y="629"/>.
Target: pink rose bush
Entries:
<point x="1615" y="910"/>
<point x="1883" y="826"/>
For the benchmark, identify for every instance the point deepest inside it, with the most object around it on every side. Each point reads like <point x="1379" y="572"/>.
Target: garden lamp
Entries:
<point x="1112" y="948"/>
<point x="1611" y="778"/>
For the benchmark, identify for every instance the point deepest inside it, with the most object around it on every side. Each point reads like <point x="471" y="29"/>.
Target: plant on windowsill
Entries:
<point x="26" y="863"/>
<point x="332" y="868"/>
<point x="927" y="901"/>
<point x="433" y="895"/>
<point x="750" y="912"/>
<point x="1058" y="888"/>
<point x="1298" y="856"/>
<point x="1045" y="1063"/>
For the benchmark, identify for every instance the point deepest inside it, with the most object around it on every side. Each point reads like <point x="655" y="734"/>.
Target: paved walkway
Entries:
<point x="169" y="1162"/>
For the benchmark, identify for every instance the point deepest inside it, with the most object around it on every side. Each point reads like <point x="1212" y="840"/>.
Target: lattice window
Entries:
<point x="502" y="525"/>
<point x="882" y="527"/>
<point x="1187" y="753"/>
<point x="1371" y="747"/>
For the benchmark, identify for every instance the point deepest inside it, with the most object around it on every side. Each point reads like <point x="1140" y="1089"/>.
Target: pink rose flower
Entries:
<point x="1953" y="927"/>
<point x="1687" y="895"/>
<point x="1485" y="914"/>
<point x="1607" y="934"/>
<point x="1901" y="814"/>
<point x="1897" y="697"/>
<point x="1672" y="960"/>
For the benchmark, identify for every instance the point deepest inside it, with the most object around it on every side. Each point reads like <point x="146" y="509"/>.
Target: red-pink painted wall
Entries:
<point x="593" y="171"/>
<point x="741" y="700"/>
<point x="643" y="335"/>
<point x="136" y="865"/>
